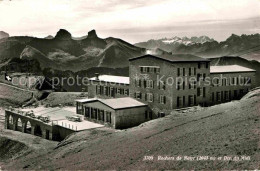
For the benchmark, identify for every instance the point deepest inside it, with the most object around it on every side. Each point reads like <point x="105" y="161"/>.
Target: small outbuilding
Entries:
<point x="119" y="113"/>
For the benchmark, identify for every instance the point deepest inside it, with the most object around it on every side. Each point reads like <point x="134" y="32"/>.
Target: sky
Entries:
<point x="131" y="20"/>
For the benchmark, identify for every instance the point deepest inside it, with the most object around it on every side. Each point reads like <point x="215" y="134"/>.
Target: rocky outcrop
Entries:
<point x="3" y="35"/>
<point x="63" y="34"/>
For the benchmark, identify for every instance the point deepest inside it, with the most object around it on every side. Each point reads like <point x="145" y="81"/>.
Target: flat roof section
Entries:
<point x="229" y="69"/>
<point x="112" y="78"/>
<point x="58" y="117"/>
<point x="117" y="103"/>
<point x="121" y="103"/>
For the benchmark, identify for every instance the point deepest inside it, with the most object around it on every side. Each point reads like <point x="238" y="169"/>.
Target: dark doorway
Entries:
<point x="38" y="131"/>
<point x="47" y="134"/>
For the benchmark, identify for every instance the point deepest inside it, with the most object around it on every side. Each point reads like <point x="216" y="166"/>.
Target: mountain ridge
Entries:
<point x="247" y="46"/>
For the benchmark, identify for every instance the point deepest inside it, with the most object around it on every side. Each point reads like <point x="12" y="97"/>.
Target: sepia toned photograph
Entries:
<point x="129" y="85"/>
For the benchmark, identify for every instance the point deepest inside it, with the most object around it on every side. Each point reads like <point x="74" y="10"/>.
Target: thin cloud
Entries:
<point x="44" y="17"/>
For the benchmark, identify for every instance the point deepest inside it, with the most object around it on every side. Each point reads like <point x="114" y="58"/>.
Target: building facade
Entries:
<point x="168" y="82"/>
<point x="230" y="83"/>
<point x="108" y="86"/>
<point x="118" y="113"/>
<point x="153" y="80"/>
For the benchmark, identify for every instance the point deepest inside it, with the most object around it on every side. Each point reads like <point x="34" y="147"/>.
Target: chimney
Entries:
<point x="97" y="75"/>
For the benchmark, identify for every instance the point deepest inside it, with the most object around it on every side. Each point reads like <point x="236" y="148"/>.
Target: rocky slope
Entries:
<point x="63" y="52"/>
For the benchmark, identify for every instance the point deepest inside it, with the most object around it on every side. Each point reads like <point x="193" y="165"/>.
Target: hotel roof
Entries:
<point x="229" y="69"/>
<point x="174" y="58"/>
<point x="112" y="78"/>
<point x="118" y="103"/>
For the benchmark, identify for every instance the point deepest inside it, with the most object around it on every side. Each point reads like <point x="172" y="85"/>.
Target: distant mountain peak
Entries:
<point x="3" y="34"/>
<point x="63" y="34"/>
<point x="92" y="34"/>
<point x="49" y="37"/>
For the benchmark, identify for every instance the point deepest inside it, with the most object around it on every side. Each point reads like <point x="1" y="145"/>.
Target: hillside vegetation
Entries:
<point x="230" y="129"/>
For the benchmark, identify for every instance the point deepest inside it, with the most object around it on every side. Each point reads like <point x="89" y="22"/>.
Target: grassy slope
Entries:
<point x="227" y="129"/>
<point x="13" y="96"/>
<point x="64" y="98"/>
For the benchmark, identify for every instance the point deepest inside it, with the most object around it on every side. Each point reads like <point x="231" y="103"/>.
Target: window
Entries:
<point x="79" y="106"/>
<point x="204" y="91"/>
<point x="162" y="99"/>
<point x="162" y="85"/>
<point x="183" y="100"/>
<point x="218" y="96"/>
<point x="198" y="77"/>
<point x="204" y="77"/>
<point x="150" y="84"/>
<point x="183" y="85"/>
<point x="150" y="97"/>
<point x="235" y="93"/>
<point x="198" y="91"/>
<point x="118" y="90"/>
<point x="150" y="115"/>
<point x="126" y="91"/>
<point x="122" y="91"/>
<point x="138" y="95"/>
<point x="226" y="95"/>
<point x="145" y="83"/>
<point x="150" y="69"/>
<point x="183" y="71"/>
<point x="191" y="100"/>
<point x="179" y="101"/>
<point x="139" y="83"/>
<point x="106" y="91"/>
<point x="195" y="71"/>
<point x="178" y="86"/>
<point x="178" y="72"/>
<point x="199" y="65"/>
<point x="207" y="65"/>
<point x="108" y="117"/>
<point x="212" y="97"/>
<point x="189" y="71"/>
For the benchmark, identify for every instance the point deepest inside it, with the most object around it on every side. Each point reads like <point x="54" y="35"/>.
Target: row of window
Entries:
<point x="149" y="84"/>
<point x="226" y="95"/>
<point x="232" y="81"/>
<point x="181" y="86"/>
<point x="111" y="91"/>
<point x="98" y="114"/>
<point x="149" y="97"/>
<point x="182" y="71"/>
<point x="149" y="69"/>
<point x="189" y="101"/>
<point x="201" y="91"/>
<point x="144" y="83"/>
